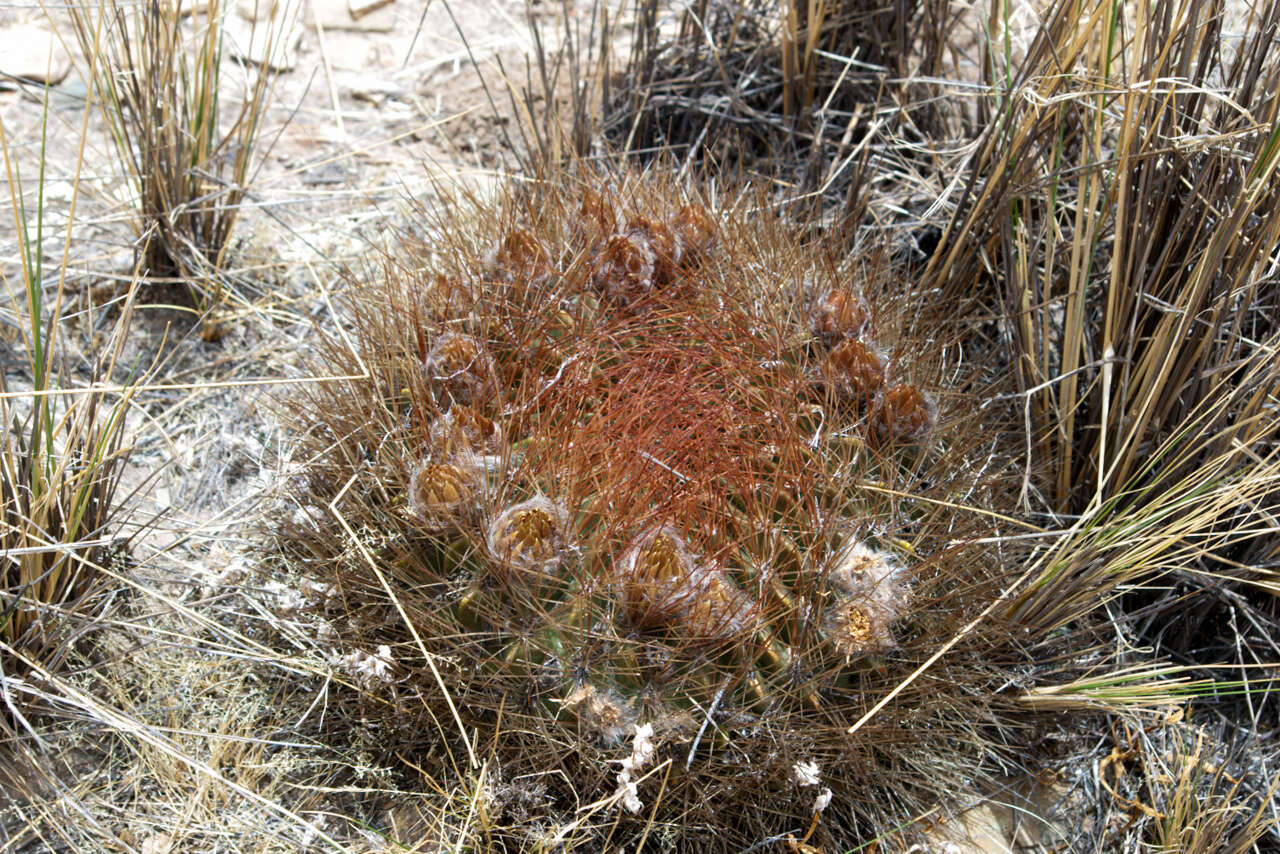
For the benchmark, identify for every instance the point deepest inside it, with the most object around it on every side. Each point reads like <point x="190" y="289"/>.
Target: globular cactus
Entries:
<point x="645" y="465"/>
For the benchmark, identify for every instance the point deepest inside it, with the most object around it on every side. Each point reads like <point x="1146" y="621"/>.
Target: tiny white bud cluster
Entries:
<point x="806" y="773"/>
<point x="368" y="670"/>
<point x="642" y="748"/>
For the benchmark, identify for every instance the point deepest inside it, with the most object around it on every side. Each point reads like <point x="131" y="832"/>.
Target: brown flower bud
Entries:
<point x="902" y="413"/>
<point x="854" y="370"/>
<point x="530" y="537"/>
<point x="696" y="232"/>
<point x="442" y="495"/>
<point x="856" y="631"/>
<point x="602" y="713"/>
<point x="464" y="432"/>
<point x="867" y="597"/>
<point x="838" y="315"/>
<point x="660" y="584"/>
<point x="662" y="243"/>
<point x="597" y="218"/>
<point x="519" y="257"/>
<point x="623" y="271"/>
<point x="446" y="298"/>
<point x="460" y="370"/>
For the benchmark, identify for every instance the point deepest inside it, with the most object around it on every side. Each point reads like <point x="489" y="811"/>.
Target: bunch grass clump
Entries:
<point x="63" y="450"/>
<point x="608" y="479"/>
<point x="792" y="90"/>
<point x="1121" y="211"/>
<point x="159" y="72"/>
<point x="1123" y="208"/>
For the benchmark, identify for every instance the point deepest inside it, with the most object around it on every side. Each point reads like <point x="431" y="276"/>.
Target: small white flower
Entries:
<point x="642" y="746"/>
<point x="806" y="773"/>
<point x="630" y="796"/>
<point x="821" y="802"/>
<point x="367" y="669"/>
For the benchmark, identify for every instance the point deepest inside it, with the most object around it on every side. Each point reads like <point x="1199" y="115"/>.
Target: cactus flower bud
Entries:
<point x="464" y="432"/>
<point x="529" y="537"/>
<point x="854" y="370"/>
<point x="442" y="495"/>
<point x="838" y="315"/>
<point x="902" y="413"/>
<point x="460" y="370"/>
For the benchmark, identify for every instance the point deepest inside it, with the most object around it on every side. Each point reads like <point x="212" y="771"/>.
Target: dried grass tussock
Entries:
<point x="185" y="155"/>
<point x="794" y="90"/>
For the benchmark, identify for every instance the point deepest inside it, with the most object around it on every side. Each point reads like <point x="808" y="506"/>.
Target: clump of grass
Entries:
<point x="62" y="455"/>
<point x="1121" y="213"/>
<point x="1170" y="786"/>
<point x="159" y="72"/>
<point x="826" y="99"/>
<point x="1122" y="208"/>
<point x="791" y="90"/>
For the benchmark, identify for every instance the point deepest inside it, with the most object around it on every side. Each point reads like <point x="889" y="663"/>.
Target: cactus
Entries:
<point x="654" y="471"/>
